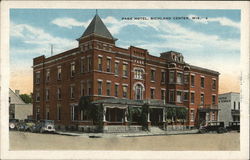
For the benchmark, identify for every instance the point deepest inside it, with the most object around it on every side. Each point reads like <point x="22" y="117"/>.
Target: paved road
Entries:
<point x="37" y="141"/>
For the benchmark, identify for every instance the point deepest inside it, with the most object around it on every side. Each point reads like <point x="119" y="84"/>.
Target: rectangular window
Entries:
<point x="72" y="92"/>
<point x="73" y="113"/>
<point x="47" y="113"/>
<point x="171" y="77"/>
<point x="116" y="68"/>
<point x="192" y="80"/>
<point x="58" y="112"/>
<point x="100" y="63"/>
<point x="239" y="105"/>
<point x="89" y="88"/>
<point x="213" y="116"/>
<point x="59" y="94"/>
<point x="37" y="77"/>
<point x="59" y="72"/>
<point x="108" y="85"/>
<point x="202" y="99"/>
<point x="163" y="77"/>
<point x="125" y="91"/>
<point x="37" y="112"/>
<point x="89" y="64"/>
<point x="82" y="89"/>
<point x="214" y="84"/>
<point x="214" y="99"/>
<point x="234" y="105"/>
<point x="163" y="96"/>
<point x="185" y="96"/>
<point x="72" y="70"/>
<point x="47" y="94"/>
<point x="186" y="79"/>
<point x="82" y="65"/>
<point x="138" y="74"/>
<point x="178" y="96"/>
<point x="152" y="93"/>
<point x="152" y="75"/>
<point x="125" y="70"/>
<point x="116" y="90"/>
<point x="99" y="87"/>
<point x="108" y="65"/>
<point x="47" y="75"/>
<point x="37" y="96"/>
<point x="191" y="115"/>
<point x="171" y="96"/>
<point x="179" y="78"/>
<point x="192" y="97"/>
<point x="202" y="82"/>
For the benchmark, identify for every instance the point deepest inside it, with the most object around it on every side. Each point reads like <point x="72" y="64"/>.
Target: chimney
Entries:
<point x="17" y="92"/>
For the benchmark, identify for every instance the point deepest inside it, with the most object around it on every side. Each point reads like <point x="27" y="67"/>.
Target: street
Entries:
<point x="201" y="142"/>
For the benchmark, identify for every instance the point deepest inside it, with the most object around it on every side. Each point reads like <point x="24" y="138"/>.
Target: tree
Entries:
<point x="26" y="98"/>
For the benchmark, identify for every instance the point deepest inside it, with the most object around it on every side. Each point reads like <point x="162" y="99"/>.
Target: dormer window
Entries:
<point x="174" y="57"/>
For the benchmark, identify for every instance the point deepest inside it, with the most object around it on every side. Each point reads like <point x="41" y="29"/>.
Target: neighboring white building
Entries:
<point x="18" y="109"/>
<point x="229" y="105"/>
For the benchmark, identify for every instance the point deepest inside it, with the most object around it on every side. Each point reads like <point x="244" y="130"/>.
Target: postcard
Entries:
<point x="124" y="80"/>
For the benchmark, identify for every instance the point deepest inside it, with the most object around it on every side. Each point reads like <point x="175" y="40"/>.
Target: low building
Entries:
<point x="229" y="106"/>
<point x="18" y="109"/>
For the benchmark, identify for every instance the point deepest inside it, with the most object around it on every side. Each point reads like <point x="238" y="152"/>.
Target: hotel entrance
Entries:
<point x="156" y="116"/>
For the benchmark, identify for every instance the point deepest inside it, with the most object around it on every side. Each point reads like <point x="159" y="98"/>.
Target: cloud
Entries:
<point x="223" y="21"/>
<point x="69" y="22"/>
<point x="38" y="39"/>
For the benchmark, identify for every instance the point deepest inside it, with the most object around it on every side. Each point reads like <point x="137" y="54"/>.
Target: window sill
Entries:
<point x="152" y="81"/>
<point x="138" y="79"/>
<point x="124" y="77"/>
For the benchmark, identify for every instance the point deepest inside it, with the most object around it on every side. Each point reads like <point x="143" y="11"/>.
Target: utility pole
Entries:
<point x="51" y="49"/>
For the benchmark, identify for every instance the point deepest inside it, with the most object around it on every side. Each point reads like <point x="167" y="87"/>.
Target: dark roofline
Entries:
<point x="204" y="69"/>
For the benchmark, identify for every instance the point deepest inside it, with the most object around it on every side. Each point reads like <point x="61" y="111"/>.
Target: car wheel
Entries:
<point x="221" y="130"/>
<point x="12" y="126"/>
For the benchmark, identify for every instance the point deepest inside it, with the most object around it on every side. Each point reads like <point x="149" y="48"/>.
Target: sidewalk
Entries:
<point x="136" y="134"/>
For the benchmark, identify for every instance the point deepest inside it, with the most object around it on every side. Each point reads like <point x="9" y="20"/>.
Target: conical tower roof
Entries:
<point x="97" y="27"/>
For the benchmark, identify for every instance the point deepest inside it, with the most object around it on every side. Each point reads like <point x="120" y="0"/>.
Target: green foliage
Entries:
<point x="134" y="111"/>
<point x="26" y="98"/>
<point x="170" y="112"/>
<point x="94" y="112"/>
<point x="181" y="113"/>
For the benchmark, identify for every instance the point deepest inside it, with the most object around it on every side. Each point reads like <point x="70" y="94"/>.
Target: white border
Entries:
<point x="242" y="154"/>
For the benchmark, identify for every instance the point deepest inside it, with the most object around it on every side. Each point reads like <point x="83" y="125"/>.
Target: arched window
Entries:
<point x="138" y="92"/>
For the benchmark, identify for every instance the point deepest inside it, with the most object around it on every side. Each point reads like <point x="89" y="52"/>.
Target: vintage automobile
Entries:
<point x="213" y="126"/>
<point x="29" y="123"/>
<point x="13" y="124"/>
<point x="233" y="126"/>
<point x="44" y="126"/>
<point x="20" y="125"/>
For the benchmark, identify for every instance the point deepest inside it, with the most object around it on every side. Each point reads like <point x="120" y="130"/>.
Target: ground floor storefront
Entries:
<point x="123" y="115"/>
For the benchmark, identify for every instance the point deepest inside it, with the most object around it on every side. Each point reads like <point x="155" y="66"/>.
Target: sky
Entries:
<point x="206" y="38"/>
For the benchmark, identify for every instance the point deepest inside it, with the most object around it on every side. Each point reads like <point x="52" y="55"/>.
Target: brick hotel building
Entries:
<point x="117" y="77"/>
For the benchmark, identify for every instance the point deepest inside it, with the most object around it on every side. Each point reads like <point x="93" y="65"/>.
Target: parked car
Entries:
<point x="213" y="126"/>
<point x="13" y="124"/>
<point x="29" y="123"/>
<point x="44" y="126"/>
<point x="233" y="126"/>
<point x="20" y="125"/>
